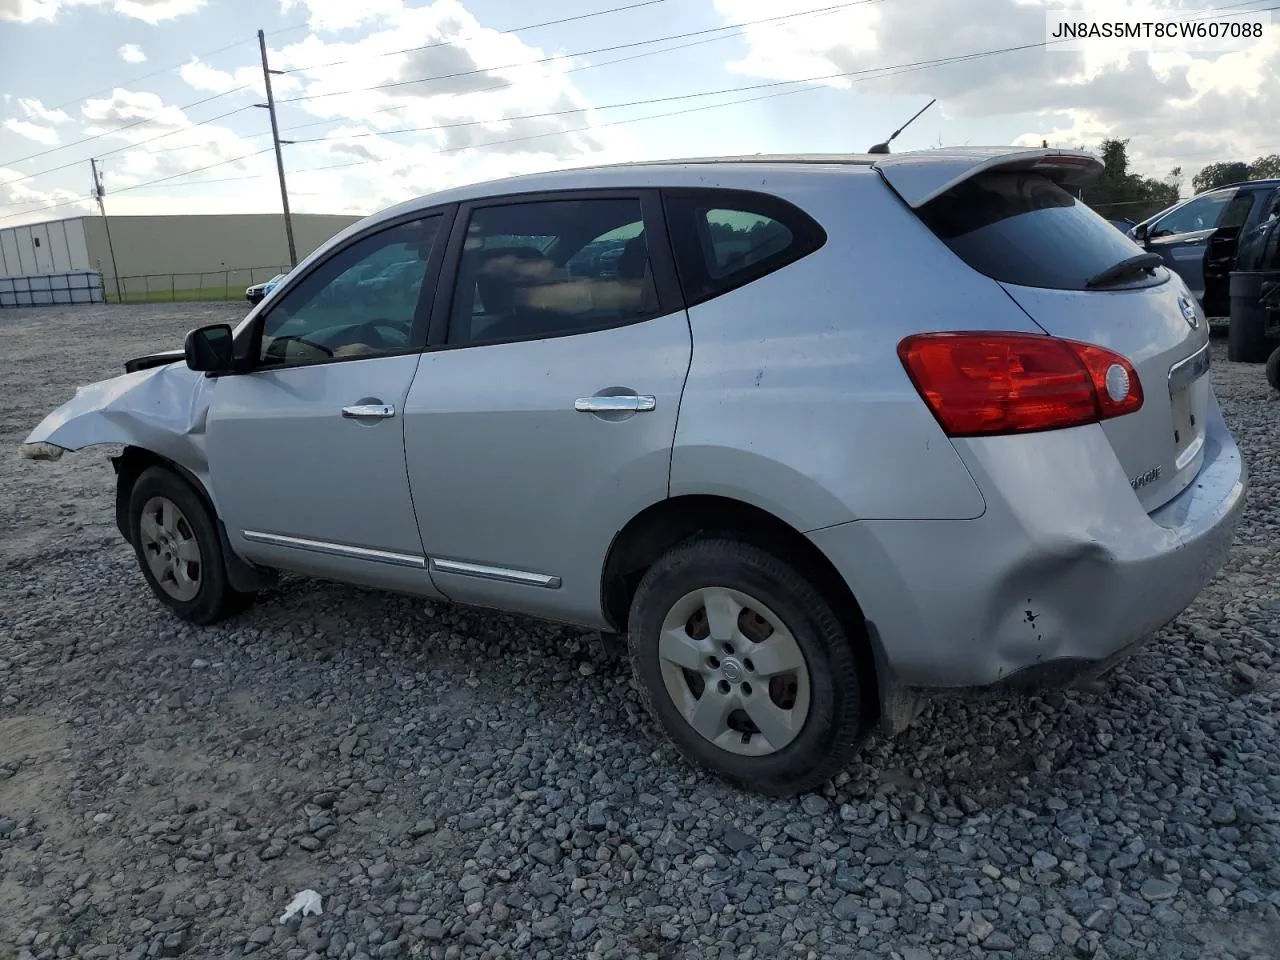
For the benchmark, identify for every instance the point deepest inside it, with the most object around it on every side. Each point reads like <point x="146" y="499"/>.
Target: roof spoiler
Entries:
<point x="923" y="176"/>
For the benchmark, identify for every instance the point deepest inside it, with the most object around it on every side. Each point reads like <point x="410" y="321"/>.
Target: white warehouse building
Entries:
<point x="157" y="257"/>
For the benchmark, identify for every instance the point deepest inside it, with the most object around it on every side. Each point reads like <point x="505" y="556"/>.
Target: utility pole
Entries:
<point x="99" y="192"/>
<point x="270" y="106"/>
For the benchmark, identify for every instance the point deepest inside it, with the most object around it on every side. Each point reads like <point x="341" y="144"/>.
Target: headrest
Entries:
<point x="634" y="259"/>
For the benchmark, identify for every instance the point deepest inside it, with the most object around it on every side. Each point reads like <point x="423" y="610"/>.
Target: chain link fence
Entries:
<point x="222" y="284"/>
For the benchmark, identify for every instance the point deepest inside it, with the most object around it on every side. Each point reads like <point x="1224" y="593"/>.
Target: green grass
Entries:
<point x="190" y="295"/>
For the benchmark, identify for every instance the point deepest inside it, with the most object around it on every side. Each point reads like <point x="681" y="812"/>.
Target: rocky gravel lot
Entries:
<point x="455" y="783"/>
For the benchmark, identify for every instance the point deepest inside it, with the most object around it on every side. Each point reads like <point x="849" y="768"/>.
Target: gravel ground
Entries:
<point x="462" y="784"/>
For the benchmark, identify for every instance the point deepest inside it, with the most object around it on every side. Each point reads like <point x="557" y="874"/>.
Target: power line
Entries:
<point x="738" y="28"/>
<point x="173" y="66"/>
<point x="941" y="61"/>
<point x="882" y="72"/>
<point x="146" y="183"/>
<point x="897" y="68"/>
<point x="860" y="75"/>
<point x="445" y="43"/>
<point x="870" y="73"/>
<point x="128" y="126"/>
<point x="147" y="76"/>
<point x="132" y="146"/>
<point x="580" y="53"/>
<point x="738" y="31"/>
<point x="561" y="20"/>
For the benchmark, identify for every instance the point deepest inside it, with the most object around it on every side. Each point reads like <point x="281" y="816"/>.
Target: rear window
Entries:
<point x="1023" y="228"/>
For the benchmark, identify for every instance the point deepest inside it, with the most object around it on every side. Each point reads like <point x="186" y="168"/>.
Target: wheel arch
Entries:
<point x="677" y="520"/>
<point x="132" y="462"/>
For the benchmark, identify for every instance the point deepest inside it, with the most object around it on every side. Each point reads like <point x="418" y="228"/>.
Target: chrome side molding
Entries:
<point x="336" y="549"/>
<point x="485" y="572"/>
<point x="456" y="567"/>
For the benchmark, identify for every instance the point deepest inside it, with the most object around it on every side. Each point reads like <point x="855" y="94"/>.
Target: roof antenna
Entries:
<point x="884" y="147"/>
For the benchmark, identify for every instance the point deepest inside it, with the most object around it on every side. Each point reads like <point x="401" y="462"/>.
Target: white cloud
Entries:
<point x="32" y="131"/>
<point x="132" y="53"/>
<point x="23" y="202"/>
<point x="336" y="15"/>
<point x="204" y="77"/>
<point x="482" y="90"/>
<point x="201" y="76"/>
<point x="25" y="11"/>
<point x="128" y="106"/>
<point x="35" y="110"/>
<point x="1187" y="108"/>
<point x="490" y="122"/>
<point x="150" y="11"/>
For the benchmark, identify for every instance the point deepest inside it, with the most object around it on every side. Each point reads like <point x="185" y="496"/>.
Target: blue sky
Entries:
<point x="74" y="69"/>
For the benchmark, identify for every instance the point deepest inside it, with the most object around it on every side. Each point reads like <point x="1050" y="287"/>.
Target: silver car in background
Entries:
<point x="823" y="436"/>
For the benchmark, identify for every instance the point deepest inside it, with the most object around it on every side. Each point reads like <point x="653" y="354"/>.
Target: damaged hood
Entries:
<point x="158" y="408"/>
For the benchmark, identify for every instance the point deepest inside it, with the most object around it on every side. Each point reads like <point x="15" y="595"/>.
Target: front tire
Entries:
<point x="1273" y="369"/>
<point x="747" y="667"/>
<point x="178" y="549"/>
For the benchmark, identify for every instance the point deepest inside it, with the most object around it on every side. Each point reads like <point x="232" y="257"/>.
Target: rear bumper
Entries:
<point x="1062" y="575"/>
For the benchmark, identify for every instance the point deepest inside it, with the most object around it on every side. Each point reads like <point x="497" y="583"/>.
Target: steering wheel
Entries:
<point x="280" y="342"/>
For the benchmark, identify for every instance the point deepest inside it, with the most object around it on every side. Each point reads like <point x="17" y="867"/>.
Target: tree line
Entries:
<point x="1119" y="194"/>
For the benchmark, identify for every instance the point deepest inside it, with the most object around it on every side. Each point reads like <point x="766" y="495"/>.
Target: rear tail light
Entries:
<point x="984" y="384"/>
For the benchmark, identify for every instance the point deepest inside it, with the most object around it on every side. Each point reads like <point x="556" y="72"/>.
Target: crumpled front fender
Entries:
<point x="161" y="409"/>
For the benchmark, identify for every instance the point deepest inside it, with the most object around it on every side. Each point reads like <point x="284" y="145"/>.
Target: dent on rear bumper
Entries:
<point x="1064" y="570"/>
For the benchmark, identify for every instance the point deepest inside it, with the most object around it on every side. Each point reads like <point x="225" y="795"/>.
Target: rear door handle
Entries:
<point x="624" y="404"/>
<point x="369" y="411"/>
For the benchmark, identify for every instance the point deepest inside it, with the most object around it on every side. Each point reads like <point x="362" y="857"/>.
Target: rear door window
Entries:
<point x="550" y="268"/>
<point x="1022" y="228"/>
<point x="724" y="239"/>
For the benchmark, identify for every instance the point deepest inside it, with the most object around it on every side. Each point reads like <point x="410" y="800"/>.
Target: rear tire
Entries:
<point x="1273" y="369"/>
<point x="178" y="549"/>
<point x="746" y="667"/>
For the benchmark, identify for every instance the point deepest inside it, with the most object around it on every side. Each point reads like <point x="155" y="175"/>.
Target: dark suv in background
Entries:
<point x="1199" y="238"/>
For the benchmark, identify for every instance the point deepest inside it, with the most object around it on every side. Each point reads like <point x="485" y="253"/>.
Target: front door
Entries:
<point x="546" y="420"/>
<point x="1182" y="237"/>
<point x="306" y="451"/>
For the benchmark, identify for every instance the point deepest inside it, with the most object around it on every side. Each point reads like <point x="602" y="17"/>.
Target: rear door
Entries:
<point x="1052" y="255"/>
<point x="543" y="418"/>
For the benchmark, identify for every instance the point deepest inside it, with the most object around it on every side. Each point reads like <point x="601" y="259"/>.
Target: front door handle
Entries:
<point x="369" y="411"/>
<point x="625" y="404"/>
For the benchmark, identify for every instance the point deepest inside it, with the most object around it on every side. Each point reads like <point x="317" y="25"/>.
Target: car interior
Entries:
<point x="516" y="290"/>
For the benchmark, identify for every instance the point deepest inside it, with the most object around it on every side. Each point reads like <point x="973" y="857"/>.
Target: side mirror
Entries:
<point x="1140" y="233"/>
<point x="209" y="349"/>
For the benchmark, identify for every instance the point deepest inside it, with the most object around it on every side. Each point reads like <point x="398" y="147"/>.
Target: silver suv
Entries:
<point x="823" y="436"/>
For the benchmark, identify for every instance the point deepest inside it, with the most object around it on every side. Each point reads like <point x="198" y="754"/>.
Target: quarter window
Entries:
<point x="726" y="238"/>
<point x="551" y="268"/>
<point x="359" y="303"/>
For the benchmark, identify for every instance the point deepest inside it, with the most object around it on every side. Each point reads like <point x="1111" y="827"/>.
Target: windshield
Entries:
<point x="1022" y="228"/>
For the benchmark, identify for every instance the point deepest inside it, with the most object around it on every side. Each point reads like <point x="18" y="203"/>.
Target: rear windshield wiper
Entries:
<point x="1142" y="261"/>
